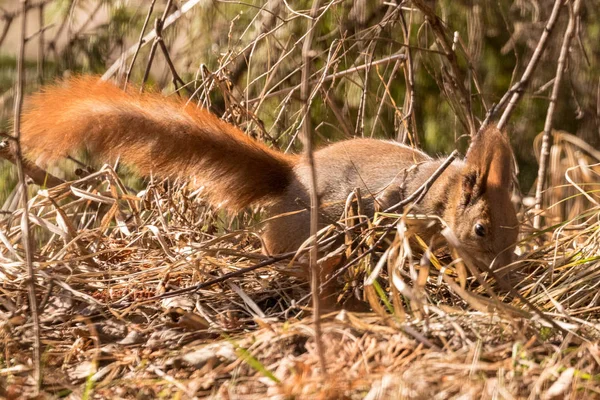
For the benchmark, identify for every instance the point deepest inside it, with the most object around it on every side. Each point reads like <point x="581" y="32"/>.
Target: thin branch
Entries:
<point x="560" y="68"/>
<point x="176" y="78"/>
<point x="8" y="19"/>
<point x="139" y="45"/>
<point x="334" y="76"/>
<point x="269" y="14"/>
<point x="420" y="193"/>
<point x="185" y="8"/>
<point x="158" y="25"/>
<point x="159" y="42"/>
<point x="61" y="27"/>
<point x="455" y="74"/>
<point x="38" y="175"/>
<point x="39" y="32"/>
<point x="41" y="55"/>
<point x="239" y="272"/>
<point x="314" y="196"/>
<point x="515" y="92"/>
<point x="27" y="234"/>
<point x="408" y="108"/>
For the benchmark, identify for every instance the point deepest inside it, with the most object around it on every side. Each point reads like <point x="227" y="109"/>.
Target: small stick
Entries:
<point x="418" y="194"/>
<point x="158" y="41"/>
<point x="545" y="153"/>
<point x="314" y="196"/>
<point x="116" y="66"/>
<point x="223" y="278"/>
<point x="57" y="34"/>
<point x="516" y="91"/>
<point x="157" y="29"/>
<point x="38" y="175"/>
<point x="176" y="78"/>
<point x="139" y="45"/>
<point x="27" y="234"/>
<point x="456" y="75"/>
<point x="8" y="19"/>
<point x="409" y="96"/>
<point x="331" y="77"/>
<point x="41" y="56"/>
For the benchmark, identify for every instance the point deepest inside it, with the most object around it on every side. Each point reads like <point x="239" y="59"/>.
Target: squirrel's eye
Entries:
<point x="479" y="229"/>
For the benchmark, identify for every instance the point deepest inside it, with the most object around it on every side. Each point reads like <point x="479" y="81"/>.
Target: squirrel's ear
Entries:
<point x="490" y="156"/>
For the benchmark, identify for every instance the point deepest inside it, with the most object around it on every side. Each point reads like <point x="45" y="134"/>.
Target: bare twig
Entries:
<point x="52" y="43"/>
<point x="331" y="77"/>
<point x="139" y="45"/>
<point x="86" y="23"/>
<point x="185" y="8"/>
<point x="267" y="22"/>
<point x="225" y="277"/>
<point x="8" y="19"/>
<point x="408" y="108"/>
<point x="314" y="196"/>
<point x="418" y="194"/>
<point x="455" y="74"/>
<point x="158" y="25"/>
<point x="545" y="152"/>
<point x="39" y="32"/>
<point x="27" y="238"/>
<point x="176" y="78"/>
<point x="41" y="55"/>
<point x="515" y="92"/>
<point x="38" y="175"/>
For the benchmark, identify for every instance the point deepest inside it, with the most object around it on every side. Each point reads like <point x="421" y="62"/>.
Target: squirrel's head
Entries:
<point x="480" y="211"/>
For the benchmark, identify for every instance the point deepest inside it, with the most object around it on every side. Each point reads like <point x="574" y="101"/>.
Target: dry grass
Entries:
<point x="105" y="257"/>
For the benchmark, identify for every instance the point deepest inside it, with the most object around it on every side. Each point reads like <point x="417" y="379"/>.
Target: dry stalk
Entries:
<point x="409" y="97"/>
<point x="8" y="18"/>
<point x="315" y="277"/>
<point x="560" y="68"/>
<point x="158" y="25"/>
<point x="52" y="43"/>
<point x="516" y="91"/>
<point x="140" y="43"/>
<point x="331" y="77"/>
<point x="38" y="175"/>
<point x="158" y="41"/>
<point x="41" y="52"/>
<point x="170" y="20"/>
<point x="267" y="22"/>
<point x="27" y="235"/>
<point x="456" y="76"/>
<point x="225" y="277"/>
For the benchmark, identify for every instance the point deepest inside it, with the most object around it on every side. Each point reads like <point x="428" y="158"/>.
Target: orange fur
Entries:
<point x="155" y="134"/>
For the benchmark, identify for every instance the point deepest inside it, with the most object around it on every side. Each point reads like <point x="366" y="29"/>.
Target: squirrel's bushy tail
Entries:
<point x="155" y="134"/>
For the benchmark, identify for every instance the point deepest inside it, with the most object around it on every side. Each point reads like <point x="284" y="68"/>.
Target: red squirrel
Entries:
<point x="169" y="137"/>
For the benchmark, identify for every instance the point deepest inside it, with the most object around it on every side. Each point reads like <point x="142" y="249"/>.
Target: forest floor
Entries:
<point x="112" y="324"/>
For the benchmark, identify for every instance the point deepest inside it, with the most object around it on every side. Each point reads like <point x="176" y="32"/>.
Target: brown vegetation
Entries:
<point x="153" y="293"/>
